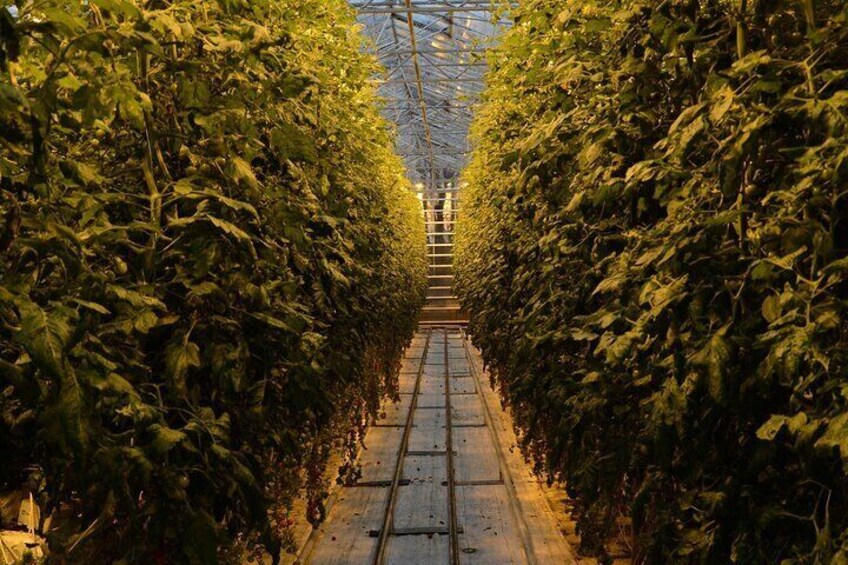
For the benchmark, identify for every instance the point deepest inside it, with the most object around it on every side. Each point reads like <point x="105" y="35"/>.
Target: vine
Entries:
<point x="653" y="253"/>
<point x="211" y="263"/>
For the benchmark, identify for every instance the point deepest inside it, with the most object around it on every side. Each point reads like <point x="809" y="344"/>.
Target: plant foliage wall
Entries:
<point x="209" y="265"/>
<point x="654" y="251"/>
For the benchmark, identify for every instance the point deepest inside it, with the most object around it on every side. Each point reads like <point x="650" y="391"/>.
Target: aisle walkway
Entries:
<point x="440" y="481"/>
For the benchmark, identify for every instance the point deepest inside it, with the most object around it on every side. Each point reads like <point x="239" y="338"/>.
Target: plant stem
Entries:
<point x="741" y="39"/>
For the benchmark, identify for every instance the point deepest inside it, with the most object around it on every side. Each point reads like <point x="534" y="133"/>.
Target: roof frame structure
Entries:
<point x="433" y="55"/>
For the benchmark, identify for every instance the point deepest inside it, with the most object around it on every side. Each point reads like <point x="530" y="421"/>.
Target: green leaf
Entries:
<point x="145" y="321"/>
<point x="579" y="334"/>
<point x="660" y="296"/>
<point x="123" y="7"/>
<point x="241" y="171"/>
<point x="165" y="439"/>
<point x="751" y="61"/>
<point x="93" y="306"/>
<point x="45" y="335"/>
<point x="64" y="419"/>
<point x="772" y="427"/>
<point x="230" y="202"/>
<point x="137" y="299"/>
<point x="592" y="153"/>
<point x="68" y="23"/>
<point x="610" y="284"/>
<point x="118" y="385"/>
<point x="836" y="436"/>
<point x="273" y="322"/>
<point x="714" y="357"/>
<point x="204" y="288"/>
<point x="828" y="320"/>
<point x="180" y="355"/>
<point x="230" y="228"/>
<point x="289" y="143"/>
<point x="590" y="378"/>
<point x="722" y="104"/>
<point x="689" y="135"/>
<point x="840" y="265"/>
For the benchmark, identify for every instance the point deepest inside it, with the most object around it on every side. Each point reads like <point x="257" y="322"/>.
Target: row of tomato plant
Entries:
<point x="210" y="263"/>
<point x="654" y="252"/>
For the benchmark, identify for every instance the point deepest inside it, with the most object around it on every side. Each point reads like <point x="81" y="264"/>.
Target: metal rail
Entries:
<point x="451" y="478"/>
<point x="388" y="516"/>
<point x="305" y="554"/>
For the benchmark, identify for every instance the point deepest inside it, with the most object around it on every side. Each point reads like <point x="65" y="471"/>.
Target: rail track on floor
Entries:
<point x="438" y="485"/>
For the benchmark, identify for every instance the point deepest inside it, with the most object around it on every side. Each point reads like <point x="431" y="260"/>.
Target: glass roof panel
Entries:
<point x="433" y="54"/>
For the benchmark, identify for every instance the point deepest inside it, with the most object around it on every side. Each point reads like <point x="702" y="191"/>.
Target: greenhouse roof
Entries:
<point x="433" y="53"/>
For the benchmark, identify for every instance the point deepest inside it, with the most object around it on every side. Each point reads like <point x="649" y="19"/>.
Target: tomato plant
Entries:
<point x="211" y="263"/>
<point x="653" y="253"/>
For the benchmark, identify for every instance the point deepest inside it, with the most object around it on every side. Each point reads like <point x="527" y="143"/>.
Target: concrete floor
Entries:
<point x="417" y="502"/>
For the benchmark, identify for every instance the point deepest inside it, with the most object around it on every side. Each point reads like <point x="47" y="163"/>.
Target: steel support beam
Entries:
<point x="433" y="81"/>
<point x="416" y="64"/>
<point x="425" y="10"/>
<point x="487" y="4"/>
<point x="434" y="65"/>
<point x="393" y="52"/>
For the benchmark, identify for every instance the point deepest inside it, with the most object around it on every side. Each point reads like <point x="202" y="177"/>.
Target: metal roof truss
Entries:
<point x="433" y="54"/>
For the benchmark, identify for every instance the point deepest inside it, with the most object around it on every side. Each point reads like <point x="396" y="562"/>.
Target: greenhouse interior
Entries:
<point x="460" y="282"/>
